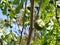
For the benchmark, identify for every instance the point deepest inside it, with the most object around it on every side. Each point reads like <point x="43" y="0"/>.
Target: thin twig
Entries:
<point x="40" y="4"/>
<point x="23" y="23"/>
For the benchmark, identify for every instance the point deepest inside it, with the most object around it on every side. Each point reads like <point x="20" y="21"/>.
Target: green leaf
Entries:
<point x="6" y="36"/>
<point x="1" y="5"/>
<point x="37" y="1"/>
<point x="4" y="10"/>
<point x="58" y="11"/>
<point x="16" y="1"/>
<point x="47" y="19"/>
<point x="11" y="14"/>
<point x="45" y="2"/>
<point x="18" y="8"/>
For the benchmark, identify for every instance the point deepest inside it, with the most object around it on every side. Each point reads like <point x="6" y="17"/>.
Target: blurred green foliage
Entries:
<point x="47" y="31"/>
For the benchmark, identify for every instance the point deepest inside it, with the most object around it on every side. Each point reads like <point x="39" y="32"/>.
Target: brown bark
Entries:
<point x="38" y="15"/>
<point x="31" y="23"/>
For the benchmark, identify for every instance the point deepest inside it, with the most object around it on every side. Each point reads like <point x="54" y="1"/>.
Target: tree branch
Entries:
<point x="40" y="4"/>
<point x="31" y="23"/>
